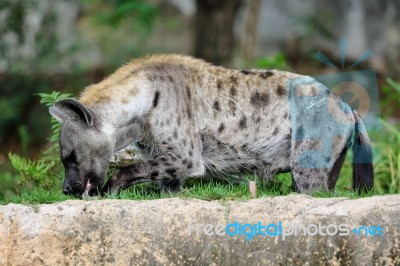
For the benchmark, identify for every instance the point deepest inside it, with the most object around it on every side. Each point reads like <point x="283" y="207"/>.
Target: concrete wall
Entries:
<point x="163" y="232"/>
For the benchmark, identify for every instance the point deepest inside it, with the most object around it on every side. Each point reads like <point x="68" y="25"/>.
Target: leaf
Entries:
<point x="394" y="84"/>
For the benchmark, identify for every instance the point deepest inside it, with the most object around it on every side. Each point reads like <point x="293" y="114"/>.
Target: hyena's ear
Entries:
<point x="73" y="109"/>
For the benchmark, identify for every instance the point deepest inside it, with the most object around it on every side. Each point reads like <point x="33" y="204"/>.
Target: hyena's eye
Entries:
<point x="70" y="159"/>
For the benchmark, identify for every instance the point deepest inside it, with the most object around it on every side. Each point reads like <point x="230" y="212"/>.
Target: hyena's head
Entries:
<point x="85" y="149"/>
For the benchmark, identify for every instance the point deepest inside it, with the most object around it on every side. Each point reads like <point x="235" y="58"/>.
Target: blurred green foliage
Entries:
<point x="277" y="61"/>
<point x="387" y="160"/>
<point x="47" y="171"/>
<point x="390" y="98"/>
<point x="139" y="13"/>
<point x="48" y="99"/>
<point x="37" y="173"/>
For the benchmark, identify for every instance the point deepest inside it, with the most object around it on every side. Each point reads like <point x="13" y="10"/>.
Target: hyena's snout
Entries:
<point x="81" y="189"/>
<point x="73" y="188"/>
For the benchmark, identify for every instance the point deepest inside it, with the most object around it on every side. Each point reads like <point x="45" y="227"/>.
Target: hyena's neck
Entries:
<point x="122" y="127"/>
<point x="121" y="106"/>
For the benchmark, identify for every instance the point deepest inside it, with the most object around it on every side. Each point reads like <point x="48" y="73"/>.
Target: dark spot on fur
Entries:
<point x="175" y="134"/>
<point x="233" y="148"/>
<point x="221" y="128"/>
<point x="189" y="95"/>
<point x="219" y="84"/>
<point x="191" y="144"/>
<point x="234" y="80"/>
<point x="184" y="161"/>
<point x="285" y="115"/>
<point x="163" y="159"/>
<point x="233" y="91"/>
<point x="169" y="139"/>
<point x="189" y="112"/>
<point x="171" y="171"/>
<point x="179" y="120"/>
<point x="189" y="165"/>
<point x="266" y="74"/>
<point x="154" y="174"/>
<point x="153" y="163"/>
<point x="243" y="123"/>
<point x="216" y="106"/>
<point x="140" y="145"/>
<point x="313" y="90"/>
<point x="156" y="97"/>
<point x="300" y="134"/>
<point x="243" y="169"/>
<point x="276" y="131"/>
<point x="281" y="90"/>
<point x="247" y="72"/>
<point x="169" y="148"/>
<point x="170" y="78"/>
<point x="259" y="99"/>
<point x="314" y="145"/>
<point x="167" y="164"/>
<point x="190" y="153"/>
<point x="232" y="106"/>
<point x="306" y="185"/>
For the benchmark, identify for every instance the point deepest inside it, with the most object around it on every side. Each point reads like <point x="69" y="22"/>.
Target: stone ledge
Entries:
<point x="121" y="232"/>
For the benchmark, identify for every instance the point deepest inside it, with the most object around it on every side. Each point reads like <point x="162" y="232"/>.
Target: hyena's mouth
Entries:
<point x="85" y="194"/>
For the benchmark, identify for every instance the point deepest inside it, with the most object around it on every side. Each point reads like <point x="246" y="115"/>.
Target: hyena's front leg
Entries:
<point x="163" y="169"/>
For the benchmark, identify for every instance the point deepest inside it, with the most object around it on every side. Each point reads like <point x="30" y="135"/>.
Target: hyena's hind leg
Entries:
<point x="308" y="180"/>
<point x="316" y="165"/>
<point x="335" y="171"/>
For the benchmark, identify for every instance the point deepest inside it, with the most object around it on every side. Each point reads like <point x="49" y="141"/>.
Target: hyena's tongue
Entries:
<point x="85" y="194"/>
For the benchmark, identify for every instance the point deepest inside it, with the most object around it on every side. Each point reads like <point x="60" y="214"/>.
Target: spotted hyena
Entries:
<point x="190" y="117"/>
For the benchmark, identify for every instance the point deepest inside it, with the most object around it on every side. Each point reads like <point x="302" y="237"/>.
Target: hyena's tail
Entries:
<point x="363" y="170"/>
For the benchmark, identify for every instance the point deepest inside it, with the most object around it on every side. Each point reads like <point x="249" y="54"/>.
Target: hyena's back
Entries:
<point x="222" y="120"/>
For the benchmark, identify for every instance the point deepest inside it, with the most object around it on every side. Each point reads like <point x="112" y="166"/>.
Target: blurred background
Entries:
<point x="65" y="45"/>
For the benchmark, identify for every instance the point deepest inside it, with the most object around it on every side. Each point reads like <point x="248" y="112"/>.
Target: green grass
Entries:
<point x="204" y="189"/>
<point x="35" y="196"/>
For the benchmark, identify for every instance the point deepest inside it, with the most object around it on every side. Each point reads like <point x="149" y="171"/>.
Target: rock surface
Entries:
<point x="163" y="232"/>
